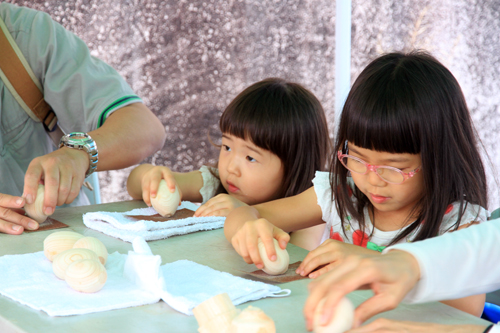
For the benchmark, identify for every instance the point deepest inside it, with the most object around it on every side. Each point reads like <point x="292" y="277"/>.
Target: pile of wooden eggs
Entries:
<point x="77" y="259"/>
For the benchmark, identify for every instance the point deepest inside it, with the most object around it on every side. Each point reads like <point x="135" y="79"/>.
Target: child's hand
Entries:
<point x="245" y="240"/>
<point x="328" y="254"/>
<point x="220" y="205"/>
<point x="151" y="181"/>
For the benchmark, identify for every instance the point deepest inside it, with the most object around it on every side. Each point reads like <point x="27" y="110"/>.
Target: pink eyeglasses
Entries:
<point x="386" y="173"/>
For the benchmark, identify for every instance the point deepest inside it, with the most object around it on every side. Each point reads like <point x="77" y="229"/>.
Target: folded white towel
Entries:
<point x="122" y="226"/>
<point x="185" y="284"/>
<point x="29" y="280"/>
<point x="134" y="279"/>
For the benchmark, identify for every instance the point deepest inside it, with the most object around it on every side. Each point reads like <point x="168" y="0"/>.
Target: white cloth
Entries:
<point x="457" y="264"/>
<point x="186" y="284"/>
<point x="29" y="280"/>
<point x="134" y="279"/>
<point x="380" y="238"/>
<point x="211" y="182"/>
<point x="81" y="89"/>
<point x="122" y="226"/>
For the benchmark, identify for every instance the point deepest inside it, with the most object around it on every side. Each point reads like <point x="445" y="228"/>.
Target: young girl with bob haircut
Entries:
<point x="406" y="168"/>
<point x="274" y="139"/>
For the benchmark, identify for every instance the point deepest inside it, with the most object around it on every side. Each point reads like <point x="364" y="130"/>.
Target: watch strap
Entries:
<point x="88" y="145"/>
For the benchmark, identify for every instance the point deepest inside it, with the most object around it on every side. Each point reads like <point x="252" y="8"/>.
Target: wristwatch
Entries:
<point x="83" y="141"/>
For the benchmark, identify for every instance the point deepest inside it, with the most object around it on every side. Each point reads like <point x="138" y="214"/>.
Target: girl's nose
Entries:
<point x="374" y="179"/>
<point x="232" y="166"/>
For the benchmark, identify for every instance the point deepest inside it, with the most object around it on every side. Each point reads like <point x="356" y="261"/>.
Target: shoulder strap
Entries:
<point x="18" y="77"/>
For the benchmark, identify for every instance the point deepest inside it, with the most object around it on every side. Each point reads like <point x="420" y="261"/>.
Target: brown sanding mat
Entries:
<point x="180" y="214"/>
<point x="49" y="224"/>
<point x="288" y="276"/>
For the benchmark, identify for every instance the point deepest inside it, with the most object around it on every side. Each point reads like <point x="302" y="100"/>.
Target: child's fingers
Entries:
<point x="145" y="192"/>
<point x="169" y="179"/>
<point x="216" y="209"/>
<point x="241" y="250"/>
<point x="311" y="261"/>
<point x="323" y="270"/>
<point x="282" y="237"/>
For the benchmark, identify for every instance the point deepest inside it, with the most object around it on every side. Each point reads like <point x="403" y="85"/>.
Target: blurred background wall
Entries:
<point x="188" y="59"/>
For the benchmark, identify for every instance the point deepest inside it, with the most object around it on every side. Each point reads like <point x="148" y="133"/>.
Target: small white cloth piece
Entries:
<point x="29" y="280"/>
<point x="122" y="226"/>
<point x="185" y="284"/>
<point x="134" y="279"/>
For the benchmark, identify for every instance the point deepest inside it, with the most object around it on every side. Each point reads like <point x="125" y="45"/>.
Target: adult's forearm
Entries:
<point x="456" y="264"/>
<point x="128" y="136"/>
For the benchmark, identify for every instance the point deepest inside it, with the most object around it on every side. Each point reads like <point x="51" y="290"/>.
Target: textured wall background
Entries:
<point x="188" y="59"/>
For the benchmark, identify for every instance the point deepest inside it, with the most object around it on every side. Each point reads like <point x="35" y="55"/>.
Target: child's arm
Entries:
<point x="245" y="225"/>
<point x="472" y="304"/>
<point x="143" y="181"/>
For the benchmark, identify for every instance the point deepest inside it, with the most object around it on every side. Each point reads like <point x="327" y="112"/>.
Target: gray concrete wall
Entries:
<point x="188" y="59"/>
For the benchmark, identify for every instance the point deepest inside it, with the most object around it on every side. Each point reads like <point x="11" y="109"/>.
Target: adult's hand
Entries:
<point x="383" y="325"/>
<point x="62" y="172"/>
<point x="391" y="276"/>
<point x="12" y="218"/>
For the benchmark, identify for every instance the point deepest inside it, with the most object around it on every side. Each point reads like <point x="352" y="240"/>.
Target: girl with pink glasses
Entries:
<point x="406" y="168"/>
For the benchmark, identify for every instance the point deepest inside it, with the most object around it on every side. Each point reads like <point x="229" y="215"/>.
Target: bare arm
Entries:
<point x="128" y="136"/>
<point x="143" y="182"/>
<point x="289" y="214"/>
<point x="471" y="304"/>
<point x="246" y="224"/>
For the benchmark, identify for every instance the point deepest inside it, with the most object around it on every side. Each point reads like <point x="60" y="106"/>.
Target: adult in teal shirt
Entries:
<point x="88" y="96"/>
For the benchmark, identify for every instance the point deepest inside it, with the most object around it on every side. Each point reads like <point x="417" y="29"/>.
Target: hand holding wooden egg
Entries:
<point x="35" y="209"/>
<point x="166" y="202"/>
<point x="342" y="318"/>
<point x="280" y="265"/>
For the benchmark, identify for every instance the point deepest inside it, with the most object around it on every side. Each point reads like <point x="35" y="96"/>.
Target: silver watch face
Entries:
<point x="78" y="140"/>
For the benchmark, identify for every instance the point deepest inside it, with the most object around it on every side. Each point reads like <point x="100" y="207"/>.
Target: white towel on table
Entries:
<point x="134" y="279"/>
<point x="186" y="284"/>
<point x="122" y="226"/>
<point x="29" y="280"/>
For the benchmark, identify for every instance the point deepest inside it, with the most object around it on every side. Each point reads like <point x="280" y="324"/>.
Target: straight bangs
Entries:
<point x="287" y="120"/>
<point x="255" y="118"/>
<point x="382" y="119"/>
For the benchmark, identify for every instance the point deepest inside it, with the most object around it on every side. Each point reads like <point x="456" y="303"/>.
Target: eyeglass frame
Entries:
<point x="374" y="168"/>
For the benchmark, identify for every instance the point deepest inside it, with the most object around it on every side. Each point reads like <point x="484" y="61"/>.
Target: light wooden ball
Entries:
<point x="59" y="241"/>
<point x="342" y="319"/>
<point x="65" y="258"/>
<point x="166" y="202"/>
<point x="86" y="275"/>
<point x="95" y="245"/>
<point x="35" y="209"/>
<point x="252" y="320"/>
<point x="277" y="267"/>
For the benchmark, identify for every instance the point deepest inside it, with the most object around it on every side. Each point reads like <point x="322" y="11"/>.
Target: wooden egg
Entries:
<point x="65" y="258"/>
<point x="166" y="202"/>
<point x="35" y="209"/>
<point x="342" y="319"/>
<point x="252" y="320"/>
<point x="277" y="267"/>
<point x="59" y="241"/>
<point x="95" y="245"/>
<point x="86" y="275"/>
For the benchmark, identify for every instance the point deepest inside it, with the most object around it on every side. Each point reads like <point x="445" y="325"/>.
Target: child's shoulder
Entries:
<point x="472" y="214"/>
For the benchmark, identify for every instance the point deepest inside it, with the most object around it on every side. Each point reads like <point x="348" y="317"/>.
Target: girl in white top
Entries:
<point x="406" y="168"/>
<point x="274" y="138"/>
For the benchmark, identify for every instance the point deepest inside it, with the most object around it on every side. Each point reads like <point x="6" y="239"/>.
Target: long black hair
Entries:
<point x="410" y="103"/>
<point x="286" y="119"/>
